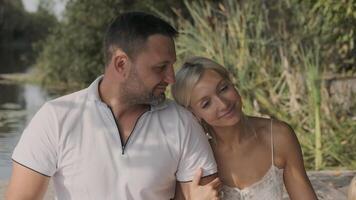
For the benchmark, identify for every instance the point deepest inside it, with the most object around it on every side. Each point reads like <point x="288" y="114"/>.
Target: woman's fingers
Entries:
<point x="208" y="191"/>
<point x="197" y="177"/>
<point x="216" y="183"/>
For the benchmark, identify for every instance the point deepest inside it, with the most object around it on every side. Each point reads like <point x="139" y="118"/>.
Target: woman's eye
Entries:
<point x="205" y="104"/>
<point x="224" y="88"/>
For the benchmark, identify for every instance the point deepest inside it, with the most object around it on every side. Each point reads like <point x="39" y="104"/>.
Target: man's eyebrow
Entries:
<point x="167" y="62"/>
<point x="161" y="63"/>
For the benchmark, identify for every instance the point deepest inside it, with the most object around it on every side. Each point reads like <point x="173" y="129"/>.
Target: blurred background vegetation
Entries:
<point x="293" y="60"/>
<point x="20" y="30"/>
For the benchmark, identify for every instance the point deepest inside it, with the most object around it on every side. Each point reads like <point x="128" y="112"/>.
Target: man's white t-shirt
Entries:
<point x="74" y="139"/>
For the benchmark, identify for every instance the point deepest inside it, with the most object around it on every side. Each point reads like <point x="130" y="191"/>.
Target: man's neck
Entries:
<point x="125" y="114"/>
<point x="110" y="95"/>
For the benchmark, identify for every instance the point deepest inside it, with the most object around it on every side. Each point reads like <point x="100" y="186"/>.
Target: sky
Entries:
<point x="31" y="6"/>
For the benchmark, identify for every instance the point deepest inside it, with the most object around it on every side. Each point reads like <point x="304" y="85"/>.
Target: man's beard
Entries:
<point x="155" y="100"/>
<point x="135" y="92"/>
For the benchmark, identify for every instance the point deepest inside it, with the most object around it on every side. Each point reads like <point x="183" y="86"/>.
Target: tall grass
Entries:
<point x="276" y="58"/>
<point x="313" y="81"/>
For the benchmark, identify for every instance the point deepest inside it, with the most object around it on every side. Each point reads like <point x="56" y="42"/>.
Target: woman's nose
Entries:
<point x="222" y="103"/>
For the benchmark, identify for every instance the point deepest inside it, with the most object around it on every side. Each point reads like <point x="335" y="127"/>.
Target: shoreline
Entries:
<point x="32" y="77"/>
<point x="18" y="78"/>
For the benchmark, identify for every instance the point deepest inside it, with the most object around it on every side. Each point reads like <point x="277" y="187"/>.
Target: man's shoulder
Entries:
<point x="72" y="97"/>
<point x="169" y="106"/>
<point x="171" y="111"/>
<point x="67" y="103"/>
<point x="82" y="96"/>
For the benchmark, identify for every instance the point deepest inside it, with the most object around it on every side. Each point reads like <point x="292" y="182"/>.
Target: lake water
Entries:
<point x="18" y="104"/>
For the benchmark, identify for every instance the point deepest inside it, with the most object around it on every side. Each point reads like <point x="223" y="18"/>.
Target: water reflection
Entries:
<point x="18" y="104"/>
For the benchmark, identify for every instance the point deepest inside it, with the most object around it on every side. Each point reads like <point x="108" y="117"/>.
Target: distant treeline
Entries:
<point x="19" y="31"/>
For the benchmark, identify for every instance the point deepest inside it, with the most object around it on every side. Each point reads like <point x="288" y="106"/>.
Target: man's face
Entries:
<point x="151" y="71"/>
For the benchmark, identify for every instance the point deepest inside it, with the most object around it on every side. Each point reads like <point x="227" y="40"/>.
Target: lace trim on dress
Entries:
<point x="270" y="187"/>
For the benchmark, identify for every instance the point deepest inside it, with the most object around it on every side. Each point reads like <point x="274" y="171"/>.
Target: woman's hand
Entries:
<point x="208" y="191"/>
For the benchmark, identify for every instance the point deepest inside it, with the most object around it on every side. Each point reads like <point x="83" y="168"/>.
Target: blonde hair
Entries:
<point x="352" y="190"/>
<point x="189" y="75"/>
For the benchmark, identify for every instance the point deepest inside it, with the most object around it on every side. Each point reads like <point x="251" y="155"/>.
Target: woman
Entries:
<point x="255" y="156"/>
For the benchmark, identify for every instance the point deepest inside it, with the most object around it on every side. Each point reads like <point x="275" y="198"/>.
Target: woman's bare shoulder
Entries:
<point x="285" y="139"/>
<point x="260" y="124"/>
<point x="283" y="132"/>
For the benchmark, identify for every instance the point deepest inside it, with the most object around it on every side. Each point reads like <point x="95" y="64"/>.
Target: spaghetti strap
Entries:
<point x="272" y="144"/>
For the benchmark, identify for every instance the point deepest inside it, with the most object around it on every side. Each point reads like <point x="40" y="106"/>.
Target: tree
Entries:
<point x="19" y="31"/>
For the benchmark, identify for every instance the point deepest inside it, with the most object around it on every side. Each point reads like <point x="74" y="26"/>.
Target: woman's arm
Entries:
<point x="295" y="178"/>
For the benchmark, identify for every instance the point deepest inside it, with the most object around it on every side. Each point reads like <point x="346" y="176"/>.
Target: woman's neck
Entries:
<point x="235" y="134"/>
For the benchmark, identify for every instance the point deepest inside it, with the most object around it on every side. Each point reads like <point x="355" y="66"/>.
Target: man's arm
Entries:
<point x="195" y="153"/>
<point x="26" y="184"/>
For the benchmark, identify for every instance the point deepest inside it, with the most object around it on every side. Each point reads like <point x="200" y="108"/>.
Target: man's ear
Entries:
<point x="121" y="62"/>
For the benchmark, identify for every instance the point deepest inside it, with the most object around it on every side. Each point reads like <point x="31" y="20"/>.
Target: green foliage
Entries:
<point x="278" y="54"/>
<point x="19" y="30"/>
<point x="72" y="53"/>
<point x="338" y="20"/>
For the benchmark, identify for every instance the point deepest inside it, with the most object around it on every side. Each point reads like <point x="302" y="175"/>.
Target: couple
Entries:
<point x="120" y="139"/>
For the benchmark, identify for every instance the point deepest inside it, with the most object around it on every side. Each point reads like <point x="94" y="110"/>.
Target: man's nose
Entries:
<point x="169" y="76"/>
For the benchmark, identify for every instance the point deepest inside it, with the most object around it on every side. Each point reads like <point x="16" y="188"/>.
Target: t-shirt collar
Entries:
<point x="93" y="94"/>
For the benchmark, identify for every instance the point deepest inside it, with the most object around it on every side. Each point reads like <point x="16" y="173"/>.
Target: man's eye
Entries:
<point x="160" y="68"/>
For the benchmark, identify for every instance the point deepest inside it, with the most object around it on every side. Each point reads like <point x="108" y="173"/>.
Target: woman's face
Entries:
<point x="215" y="100"/>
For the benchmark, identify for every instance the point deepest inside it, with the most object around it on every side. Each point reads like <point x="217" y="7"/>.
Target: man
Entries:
<point x="119" y="138"/>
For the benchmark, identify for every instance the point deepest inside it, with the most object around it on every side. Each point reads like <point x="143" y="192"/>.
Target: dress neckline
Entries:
<point x="260" y="181"/>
